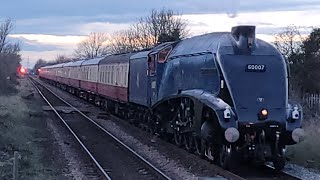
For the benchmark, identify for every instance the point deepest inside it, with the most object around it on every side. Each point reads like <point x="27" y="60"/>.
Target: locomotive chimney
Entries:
<point x="245" y="37"/>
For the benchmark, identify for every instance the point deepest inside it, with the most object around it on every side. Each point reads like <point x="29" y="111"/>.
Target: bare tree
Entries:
<point x="9" y="57"/>
<point x="5" y="46"/>
<point x="160" y="26"/>
<point x="40" y="63"/>
<point x="93" y="46"/>
<point x="5" y="28"/>
<point x="289" y="41"/>
<point x="13" y="49"/>
<point x="62" y="59"/>
<point x="124" y="41"/>
<point x="164" y="23"/>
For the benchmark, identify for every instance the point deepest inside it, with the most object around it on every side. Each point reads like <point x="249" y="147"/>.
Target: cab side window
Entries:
<point x="152" y="65"/>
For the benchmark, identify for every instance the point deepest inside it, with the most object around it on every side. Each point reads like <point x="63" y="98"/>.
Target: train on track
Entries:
<point x="221" y="95"/>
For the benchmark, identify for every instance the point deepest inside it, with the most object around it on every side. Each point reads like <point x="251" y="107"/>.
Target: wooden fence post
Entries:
<point x="15" y="165"/>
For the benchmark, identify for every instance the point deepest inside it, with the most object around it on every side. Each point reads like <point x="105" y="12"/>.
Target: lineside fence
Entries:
<point x="312" y="101"/>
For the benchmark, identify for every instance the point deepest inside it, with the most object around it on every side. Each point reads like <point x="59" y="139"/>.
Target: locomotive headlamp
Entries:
<point x="264" y="112"/>
<point x="297" y="135"/>
<point x="295" y="113"/>
<point x="227" y="113"/>
<point x="231" y="134"/>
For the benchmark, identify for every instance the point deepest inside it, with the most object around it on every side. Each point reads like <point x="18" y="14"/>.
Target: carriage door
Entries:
<point x="152" y="79"/>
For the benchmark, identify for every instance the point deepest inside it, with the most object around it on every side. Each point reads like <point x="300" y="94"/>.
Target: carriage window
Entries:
<point x="112" y="75"/>
<point x="105" y="70"/>
<point x="122" y="75"/>
<point x="99" y="75"/>
<point x="126" y="76"/>
<point x="87" y="73"/>
<point x="107" y="74"/>
<point x="118" y="76"/>
<point x="103" y="75"/>
<point x="102" y="78"/>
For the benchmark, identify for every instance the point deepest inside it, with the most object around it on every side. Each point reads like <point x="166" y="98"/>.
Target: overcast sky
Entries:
<point x="46" y="28"/>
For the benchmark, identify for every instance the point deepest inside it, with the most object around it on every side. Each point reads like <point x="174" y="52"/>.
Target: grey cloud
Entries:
<point x="61" y="17"/>
<point x="39" y="8"/>
<point x="62" y="26"/>
<point x="32" y="45"/>
<point x="272" y="30"/>
<point x="202" y="24"/>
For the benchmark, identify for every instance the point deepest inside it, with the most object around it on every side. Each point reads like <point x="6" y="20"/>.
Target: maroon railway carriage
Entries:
<point x="89" y="75"/>
<point x="74" y="74"/>
<point x="113" y="77"/>
<point x="53" y="72"/>
<point x="58" y="69"/>
<point x="65" y="73"/>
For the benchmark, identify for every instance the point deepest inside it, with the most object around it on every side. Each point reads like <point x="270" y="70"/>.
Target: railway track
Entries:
<point x="252" y="172"/>
<point x="112" y="158"/>
<point x="243" y="172"/>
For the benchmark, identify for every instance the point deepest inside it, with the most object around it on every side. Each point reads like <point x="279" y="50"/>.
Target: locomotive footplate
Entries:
<point x="261" y="140"/>
<point x="269" y="128"/>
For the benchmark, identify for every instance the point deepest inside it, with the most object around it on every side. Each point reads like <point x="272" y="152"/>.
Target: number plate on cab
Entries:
<point x="255" y="68"/>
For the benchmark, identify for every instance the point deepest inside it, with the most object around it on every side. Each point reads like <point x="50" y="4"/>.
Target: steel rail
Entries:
<point x="286" y="173"/>
<point x="158" y="171"/>
<point x="103" y="172"/>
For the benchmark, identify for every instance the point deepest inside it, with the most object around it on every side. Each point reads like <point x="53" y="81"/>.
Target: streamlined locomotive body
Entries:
<point x="219" y="95"/>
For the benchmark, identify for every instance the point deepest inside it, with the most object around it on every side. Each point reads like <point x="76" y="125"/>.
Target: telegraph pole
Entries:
<point x="28" y="63"/>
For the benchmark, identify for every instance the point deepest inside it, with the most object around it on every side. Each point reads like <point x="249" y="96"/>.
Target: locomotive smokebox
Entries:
<point x="245" y="37"/>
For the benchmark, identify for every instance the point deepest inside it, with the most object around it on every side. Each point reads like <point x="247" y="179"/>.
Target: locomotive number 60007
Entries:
<point x="255" y="68"/>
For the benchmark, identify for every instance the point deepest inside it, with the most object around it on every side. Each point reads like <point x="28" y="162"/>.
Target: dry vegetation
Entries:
<point x="8" y="74"/>
<point x="307" y="153"/>
<point x="15" y="135"/>
<point x="23" y="129"/>
<point x="9" y="58"/>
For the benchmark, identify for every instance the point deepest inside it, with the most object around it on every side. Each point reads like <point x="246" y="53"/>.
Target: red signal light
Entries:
<point x="22" y="70"/>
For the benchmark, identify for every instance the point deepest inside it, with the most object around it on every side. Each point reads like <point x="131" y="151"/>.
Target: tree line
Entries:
<point x="303" y="56"/>
<point x="9" y="57"/>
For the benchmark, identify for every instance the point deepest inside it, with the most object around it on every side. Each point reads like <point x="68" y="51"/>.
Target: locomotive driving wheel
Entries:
<point x="183" y="123"/>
